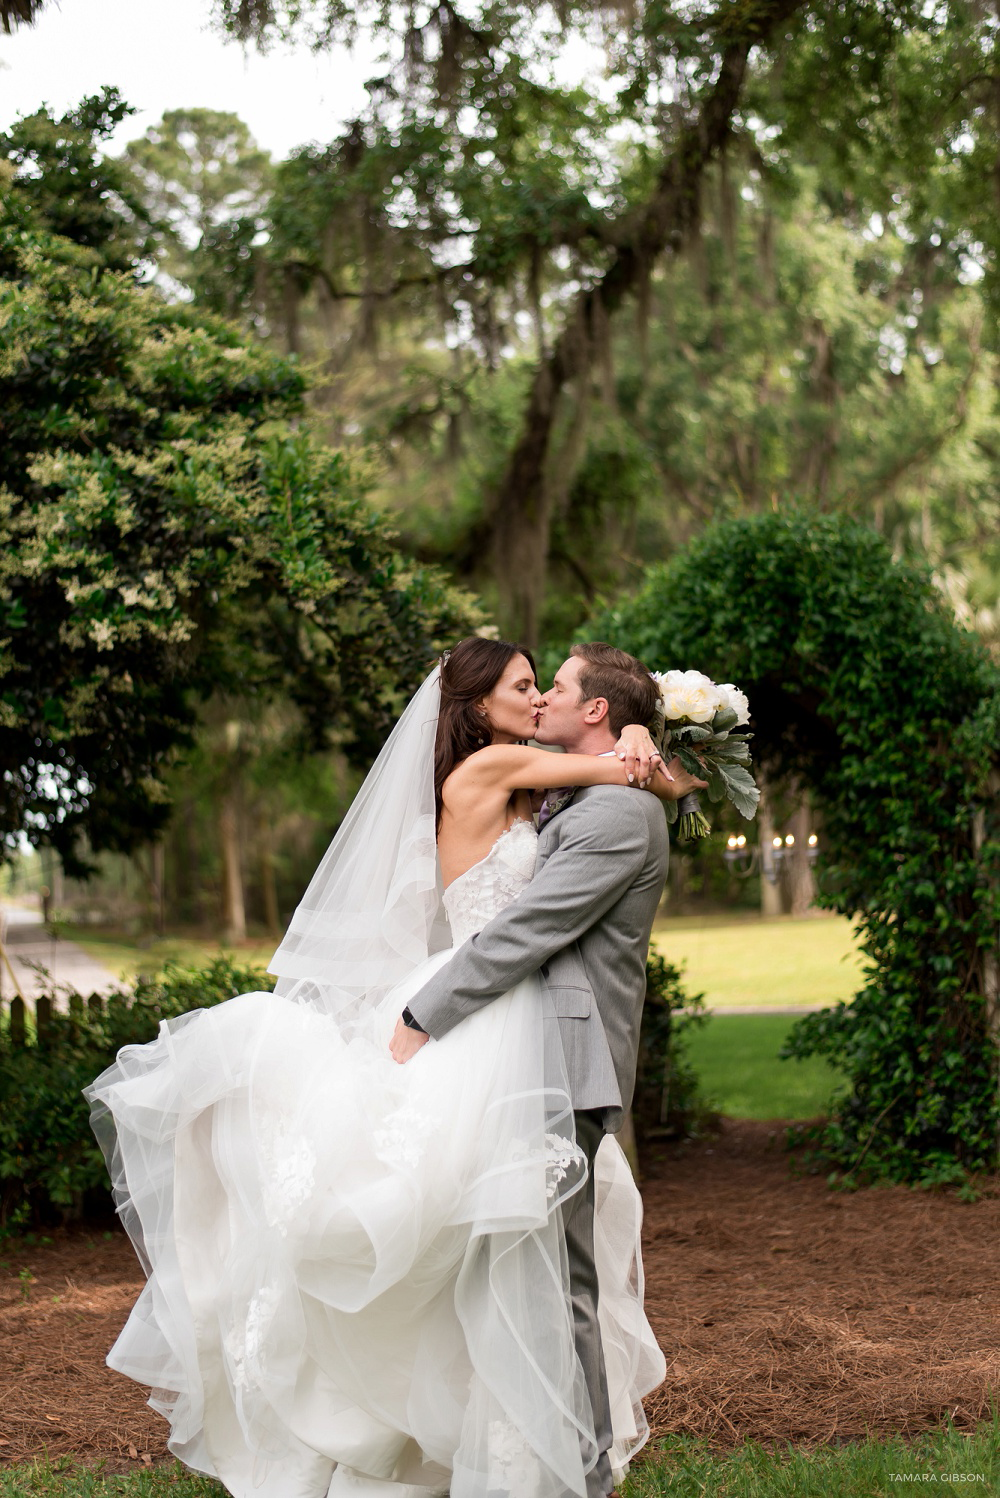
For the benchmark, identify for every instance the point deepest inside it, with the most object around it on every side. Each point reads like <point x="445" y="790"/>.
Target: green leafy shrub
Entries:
<point x="667" y="1100"/>
<point x="170" y="531"/>
<point x="50" y="1165"/>
<point x="864" y="689"/>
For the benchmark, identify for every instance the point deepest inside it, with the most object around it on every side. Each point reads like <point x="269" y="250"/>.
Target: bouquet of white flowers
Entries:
<point x="704" y="725"/>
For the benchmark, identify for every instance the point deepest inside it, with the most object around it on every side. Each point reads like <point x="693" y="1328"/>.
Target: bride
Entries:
<point x="356" y="1271"/>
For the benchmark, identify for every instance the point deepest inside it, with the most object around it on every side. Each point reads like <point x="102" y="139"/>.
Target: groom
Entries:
<point x="584" y="924"/>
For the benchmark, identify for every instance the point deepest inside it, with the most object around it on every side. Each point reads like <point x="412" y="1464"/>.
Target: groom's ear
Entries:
<point x="597" y="710"/>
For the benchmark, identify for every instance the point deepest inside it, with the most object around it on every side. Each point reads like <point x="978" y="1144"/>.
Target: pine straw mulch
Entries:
<point x="787" y="1312"/>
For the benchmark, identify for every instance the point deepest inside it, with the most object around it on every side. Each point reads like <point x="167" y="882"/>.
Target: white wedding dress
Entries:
<point x="356" y="1271"/>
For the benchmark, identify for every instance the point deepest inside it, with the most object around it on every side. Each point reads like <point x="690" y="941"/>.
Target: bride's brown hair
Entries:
<point x="469" y="672"/>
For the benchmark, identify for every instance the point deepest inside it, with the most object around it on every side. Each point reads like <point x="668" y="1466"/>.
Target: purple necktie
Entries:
<point x="554" y="802"/>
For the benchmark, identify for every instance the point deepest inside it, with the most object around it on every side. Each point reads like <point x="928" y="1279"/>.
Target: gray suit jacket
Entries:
<point x="584" y="924"/>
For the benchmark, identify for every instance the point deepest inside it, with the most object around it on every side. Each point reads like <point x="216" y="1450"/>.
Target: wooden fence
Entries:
<point x="18" y="1034"/>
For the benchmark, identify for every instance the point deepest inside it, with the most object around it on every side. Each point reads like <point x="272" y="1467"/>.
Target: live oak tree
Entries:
<point x="803" y="358"/>
<point x="482" y="216"/>
<point x="476" y="174"/>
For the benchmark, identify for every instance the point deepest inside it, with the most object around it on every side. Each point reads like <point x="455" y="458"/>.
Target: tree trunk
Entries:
<point x="521" y="513"/>
<point x="991" y="954"/>
<point x="677" y="884"/>
<point x="157" y="870"/>
<point x="627" y="1140"/>
<point x="234" y="921"/>
<point x="182" y="887"/>
<point x="290" y="299"/>
<point x="268" y="883"/>
<point x="803" y="885"/>
<point x="770" y="884"/>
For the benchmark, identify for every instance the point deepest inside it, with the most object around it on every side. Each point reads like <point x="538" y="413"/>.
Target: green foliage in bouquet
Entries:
<point x="864" y="688"/>
<point x="50" y="1164"/>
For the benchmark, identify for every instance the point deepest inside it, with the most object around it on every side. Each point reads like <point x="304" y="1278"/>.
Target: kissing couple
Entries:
<point x="391" y="1241"/>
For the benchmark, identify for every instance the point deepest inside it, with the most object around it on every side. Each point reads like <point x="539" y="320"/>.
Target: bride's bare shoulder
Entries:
<point x="492" y="763"/>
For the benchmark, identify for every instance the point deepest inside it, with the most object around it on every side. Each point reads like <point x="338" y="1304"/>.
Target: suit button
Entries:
<point x="544" y="970"/>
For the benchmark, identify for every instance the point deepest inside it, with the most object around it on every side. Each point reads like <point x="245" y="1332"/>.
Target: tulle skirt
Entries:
<point x="356" y="1271"/>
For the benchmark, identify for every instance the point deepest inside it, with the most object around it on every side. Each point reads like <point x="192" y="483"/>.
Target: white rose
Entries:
<point x="688" y="694"/>
<point x="732" y="697"/>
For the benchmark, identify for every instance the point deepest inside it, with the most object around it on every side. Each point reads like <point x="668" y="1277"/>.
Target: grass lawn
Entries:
<point x="736" y="1058"/>
<point x="940" y="1462"/>
<point x="945" y="1460"/>
<point x="785" y="962"/>
<point x="127" y="956"/>
<point x="734" y="961"/>
<point x="66" y="1479"/>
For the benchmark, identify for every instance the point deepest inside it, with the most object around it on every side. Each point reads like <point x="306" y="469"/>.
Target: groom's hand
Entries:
<point x="406" y="1042"/>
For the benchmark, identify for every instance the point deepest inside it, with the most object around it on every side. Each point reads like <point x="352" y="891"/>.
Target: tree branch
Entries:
<point x="382" y="293"/>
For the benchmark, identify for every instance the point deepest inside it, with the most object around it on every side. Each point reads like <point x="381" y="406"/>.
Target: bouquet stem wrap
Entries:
<point x="691" y="821"/>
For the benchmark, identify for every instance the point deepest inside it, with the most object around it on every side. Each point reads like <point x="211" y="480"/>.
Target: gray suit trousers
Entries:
<point x="578" y="1221"/>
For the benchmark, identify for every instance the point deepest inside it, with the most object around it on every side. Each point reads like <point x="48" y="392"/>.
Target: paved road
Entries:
<point x="28" y="942"/>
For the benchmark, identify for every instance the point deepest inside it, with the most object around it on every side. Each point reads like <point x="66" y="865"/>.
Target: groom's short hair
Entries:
<point x="630" y="691"/>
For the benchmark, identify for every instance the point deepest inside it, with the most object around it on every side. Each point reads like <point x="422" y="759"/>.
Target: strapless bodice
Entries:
<point x="475" y="897"/>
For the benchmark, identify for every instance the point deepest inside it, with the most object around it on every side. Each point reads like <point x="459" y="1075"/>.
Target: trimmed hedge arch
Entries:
<point x="863" y="687"/>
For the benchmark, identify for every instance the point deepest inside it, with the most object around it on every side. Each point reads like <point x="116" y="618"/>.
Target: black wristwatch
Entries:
<point x="410" y="1022"/>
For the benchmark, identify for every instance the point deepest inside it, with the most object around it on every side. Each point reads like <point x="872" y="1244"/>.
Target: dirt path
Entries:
<point x="787" y="1312"/>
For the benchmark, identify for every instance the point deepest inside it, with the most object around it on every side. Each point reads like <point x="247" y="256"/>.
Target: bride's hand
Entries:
<point x="640" y="754"/>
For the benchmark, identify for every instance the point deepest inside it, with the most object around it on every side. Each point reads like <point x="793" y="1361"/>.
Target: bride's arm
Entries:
<point x="512" y="767"/>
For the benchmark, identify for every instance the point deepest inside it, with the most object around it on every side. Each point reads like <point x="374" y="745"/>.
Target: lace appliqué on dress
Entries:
<point x="245" y="1346"/>
<point x="561" y="1155"/>
<point x="404" y="1138"/>
<point x="482" y="892"/>
<point x="514" y="1468"/>
<point x="289" y="1175"/>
